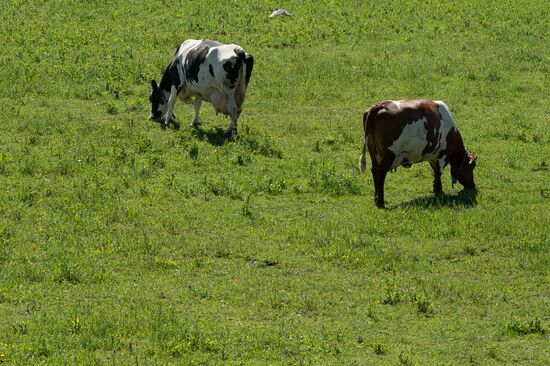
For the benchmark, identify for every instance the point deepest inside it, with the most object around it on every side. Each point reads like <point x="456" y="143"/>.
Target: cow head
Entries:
<point x="158" y="101"/>
<point x="464" y="172"/>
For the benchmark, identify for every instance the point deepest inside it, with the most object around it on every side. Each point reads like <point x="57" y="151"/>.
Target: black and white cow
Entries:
<point x="207" y="70"/>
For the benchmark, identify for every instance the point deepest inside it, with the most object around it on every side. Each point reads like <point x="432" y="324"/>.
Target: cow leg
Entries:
<point x="374" y="171"/>
<point x="363" y="158"/>
<point x="234" y="112"/>
<point x="197" y="105"/>
<point x="438" y="188"/>
<point x="171" y="102"/>
<point x="379" y="176"/>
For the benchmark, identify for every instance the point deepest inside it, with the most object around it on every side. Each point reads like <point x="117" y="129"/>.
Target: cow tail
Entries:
<point x="240" y="63"/>
<point x="368" y="125"/>
<point x="249" y="63"/>
<point x="368" y="118"/>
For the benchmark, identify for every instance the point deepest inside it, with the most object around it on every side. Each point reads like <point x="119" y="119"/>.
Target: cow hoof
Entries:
<point x="195" y="124"/>
<point x="232" y="133"/>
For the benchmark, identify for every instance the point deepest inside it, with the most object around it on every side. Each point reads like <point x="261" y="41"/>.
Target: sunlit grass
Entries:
<point x="121" y="242"/>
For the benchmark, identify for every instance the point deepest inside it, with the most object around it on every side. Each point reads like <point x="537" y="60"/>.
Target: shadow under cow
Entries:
<point x="464" y="198"/>
<point x="173" y="124"/>
<point x="216" y="137"/>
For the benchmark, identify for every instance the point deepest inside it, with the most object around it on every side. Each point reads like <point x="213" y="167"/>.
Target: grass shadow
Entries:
<point x="464" y="198"/>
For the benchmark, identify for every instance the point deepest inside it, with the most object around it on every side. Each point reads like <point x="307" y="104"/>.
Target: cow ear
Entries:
<point x="154" y="84"/>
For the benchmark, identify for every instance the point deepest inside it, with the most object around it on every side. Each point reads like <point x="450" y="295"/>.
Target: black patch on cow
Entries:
<point x="156" y="98"/>
<point x="232" y="73"/>
<point x="240" y="53"/>
<point x="249" y="62"/>
<point x="232" y="68"/>
<point x="195" y="58"/>
<point x="211" y="70"/>
<point x="193" y="61"/>
<point x="171" y="76"/>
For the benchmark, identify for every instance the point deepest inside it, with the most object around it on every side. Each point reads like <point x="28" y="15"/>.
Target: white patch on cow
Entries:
<point x="446" y="116"/>
<point x="397" y="103"/>
<point x="447" y="125"/>
<point x="410" y="143"/>
<point x="413" y="139"/>
<point x="197" y="106"/>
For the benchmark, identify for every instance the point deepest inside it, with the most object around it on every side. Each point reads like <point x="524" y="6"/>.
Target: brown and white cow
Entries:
<point x="402" y="133"/>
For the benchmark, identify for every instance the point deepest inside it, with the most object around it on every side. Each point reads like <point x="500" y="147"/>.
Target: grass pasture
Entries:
<point x="122" y="243"/>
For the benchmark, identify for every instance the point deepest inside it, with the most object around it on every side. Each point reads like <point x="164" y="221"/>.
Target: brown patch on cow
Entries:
<point x="457" y="152"/>
<point x="369" y="116"/>
<point x="433" y="129"/>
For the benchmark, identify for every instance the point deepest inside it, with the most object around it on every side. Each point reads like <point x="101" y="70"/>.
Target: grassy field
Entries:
<point x="122" y="243"/>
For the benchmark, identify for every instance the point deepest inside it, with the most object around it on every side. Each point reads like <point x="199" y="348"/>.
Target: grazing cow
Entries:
<point x="207" y="70"/>
<point x="402" y="133"/>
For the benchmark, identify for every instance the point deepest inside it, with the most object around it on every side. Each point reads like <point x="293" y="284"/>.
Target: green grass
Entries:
<point x="124" y="243"/>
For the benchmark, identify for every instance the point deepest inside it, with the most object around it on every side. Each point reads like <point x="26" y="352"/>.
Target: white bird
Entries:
<point x="279" y="12"/>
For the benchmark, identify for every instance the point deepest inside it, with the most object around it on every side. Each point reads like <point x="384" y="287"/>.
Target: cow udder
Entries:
<point x="218" y="102"/>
